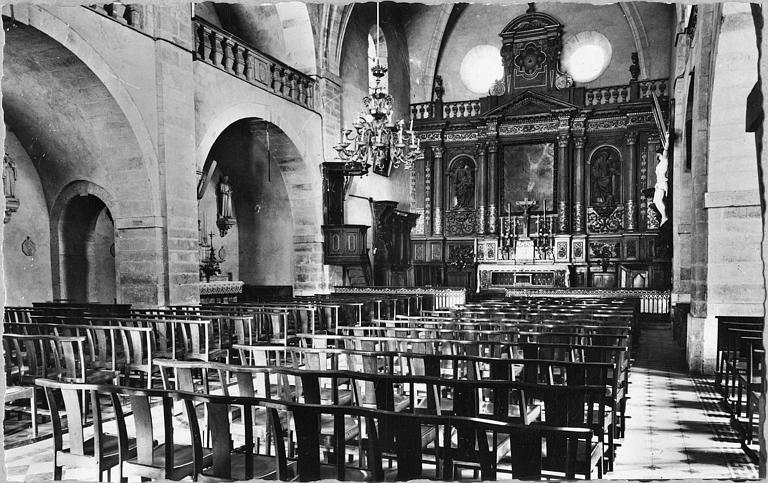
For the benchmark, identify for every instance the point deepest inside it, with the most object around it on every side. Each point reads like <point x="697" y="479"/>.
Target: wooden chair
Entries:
<point x="15" y="390"/>
<point x="235" y="448"/>
<point x="165" y="459"/>
<point x="102" y="451"/>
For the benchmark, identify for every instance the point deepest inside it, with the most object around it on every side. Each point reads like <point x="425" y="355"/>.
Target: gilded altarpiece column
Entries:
<point x="652" y="217"/>
<point x="493" y="187"/>
<point x="481" y="189"/>
<point x="578" y="183"/>
<point x="630" y="188"/>
<point x="563" y="181"/>
<point x="437" y="212"/>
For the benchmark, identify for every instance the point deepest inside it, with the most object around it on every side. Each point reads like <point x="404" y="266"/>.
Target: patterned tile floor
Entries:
<point x="677" y="429"/>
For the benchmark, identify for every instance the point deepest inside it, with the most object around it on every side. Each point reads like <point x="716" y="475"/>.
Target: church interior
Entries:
<point x="383" y="241"/>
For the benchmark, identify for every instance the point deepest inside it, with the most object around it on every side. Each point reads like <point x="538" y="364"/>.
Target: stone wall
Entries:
<point x="28" y="278"/>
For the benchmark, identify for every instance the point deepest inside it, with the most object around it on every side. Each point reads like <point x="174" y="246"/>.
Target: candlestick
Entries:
<point x="411" y="128"/>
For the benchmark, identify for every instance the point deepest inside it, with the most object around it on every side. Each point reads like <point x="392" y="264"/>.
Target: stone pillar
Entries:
<point x="563" y="181"/>
<point x="438" y="192"/>
<point x="482" y="187"/>
<point x="493" y="188"/>
<point x="630" y="183"/>
<point x="701" y="347"/>
<point x="176" y="150"/>
<point x="578" y="184"/>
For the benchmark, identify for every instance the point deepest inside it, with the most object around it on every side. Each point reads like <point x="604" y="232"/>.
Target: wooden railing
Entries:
<point x="592" y="97"/>
<point x="227" y="52"/>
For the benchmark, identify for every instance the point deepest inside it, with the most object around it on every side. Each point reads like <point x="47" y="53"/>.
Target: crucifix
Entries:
<point x="527" y="205"/>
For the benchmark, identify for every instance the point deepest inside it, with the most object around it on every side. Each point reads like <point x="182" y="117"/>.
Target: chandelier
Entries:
<point x="376" y="142"/>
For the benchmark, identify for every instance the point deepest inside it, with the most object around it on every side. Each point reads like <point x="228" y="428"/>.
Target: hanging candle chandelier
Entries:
<point x="376" y="141"/>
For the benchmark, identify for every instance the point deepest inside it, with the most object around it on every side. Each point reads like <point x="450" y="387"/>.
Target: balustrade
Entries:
<point x="606" y="95"/>
<point x="659" y="86"/>
<point x="597" y="96"/>
<point x="234" y="56"/>
<point x="125" y="14"/>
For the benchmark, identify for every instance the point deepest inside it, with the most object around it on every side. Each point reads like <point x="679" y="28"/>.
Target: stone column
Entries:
<point x="701" y="346"/>
<point x="175" y="97"/>
<point x="493" y="188"/>
<point x="630" y="183"/>
<point x="563" y="181"/>
<point x="438" y="192"/>
<point x="482" y="186"/>
<point x="578" y="184"/>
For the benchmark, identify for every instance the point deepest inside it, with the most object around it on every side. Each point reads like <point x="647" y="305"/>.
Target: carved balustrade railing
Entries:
<point x="227" y="52"/>
<point x="126" y="14"/>
<point x="459" y="109"/>
<point x="597" y="96"/>
<point x="606" y="95"/>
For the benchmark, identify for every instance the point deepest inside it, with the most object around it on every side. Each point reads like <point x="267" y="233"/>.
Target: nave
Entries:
<point x="526" y="356"/>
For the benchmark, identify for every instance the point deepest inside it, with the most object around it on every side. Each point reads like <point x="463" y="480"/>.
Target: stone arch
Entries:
<point x="61" y="32"/>
<point x="302" y="186"/>
<point x="80" y="188"/>
<point x="635" y="22"/>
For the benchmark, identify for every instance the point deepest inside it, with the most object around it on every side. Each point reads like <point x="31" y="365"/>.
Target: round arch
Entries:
<point x="59" y="210"/>
<point x="63" y="33"/>
<point x="289" y="148"/>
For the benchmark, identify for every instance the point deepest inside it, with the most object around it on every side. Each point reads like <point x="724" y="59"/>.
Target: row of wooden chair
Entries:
<point x="510" y="401"/>
<point x="236" y="424"/>
<point x="739" y="376"/>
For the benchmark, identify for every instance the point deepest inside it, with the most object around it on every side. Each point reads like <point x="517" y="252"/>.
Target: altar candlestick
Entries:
<point x="475" y="249"/>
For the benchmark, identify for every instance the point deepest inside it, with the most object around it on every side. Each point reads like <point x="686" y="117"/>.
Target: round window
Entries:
<point x="480" y="68"/>
<point x="586" y="55"/>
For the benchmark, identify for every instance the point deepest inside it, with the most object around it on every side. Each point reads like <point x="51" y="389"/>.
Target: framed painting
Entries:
<point x="529" y="173"/>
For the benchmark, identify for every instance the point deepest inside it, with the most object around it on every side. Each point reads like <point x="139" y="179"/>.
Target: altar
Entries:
<point x="540" y="184"/>
<point x="501" y="276"/>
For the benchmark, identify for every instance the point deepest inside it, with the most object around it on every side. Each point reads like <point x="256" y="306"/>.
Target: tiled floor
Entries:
<point x="677" y="429"/>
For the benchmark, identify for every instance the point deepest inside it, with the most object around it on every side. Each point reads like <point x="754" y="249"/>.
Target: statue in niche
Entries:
<point x="225" y="219"/>
<point x="225" y="198"/>
<point x="464" y="185"/>
<point x="605" y="179"/>
<point x="9" y="177"/>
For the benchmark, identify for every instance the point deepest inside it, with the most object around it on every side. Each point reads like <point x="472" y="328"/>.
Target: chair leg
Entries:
<point x="33" y="410"/>
<point x="57" y="472"/>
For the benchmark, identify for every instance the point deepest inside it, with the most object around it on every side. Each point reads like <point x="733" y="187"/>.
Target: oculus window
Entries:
<point x="586" y="55"/>
<point x="481" y="68"/>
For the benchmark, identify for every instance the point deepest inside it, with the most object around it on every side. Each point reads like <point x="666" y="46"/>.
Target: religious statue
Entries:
<point x="225" y="198"/>
<point x="661" y="187"/>
<point x="464" y="185"/>
<point x="225" y="219"/>
<point x="605" y="178"/>
<point x="9" y="177"/>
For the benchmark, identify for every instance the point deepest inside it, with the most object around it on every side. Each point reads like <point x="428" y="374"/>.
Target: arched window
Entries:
<point x="377" y="44"/>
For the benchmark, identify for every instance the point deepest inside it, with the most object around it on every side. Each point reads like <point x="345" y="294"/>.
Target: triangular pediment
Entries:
<point x="531" y="102"/>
